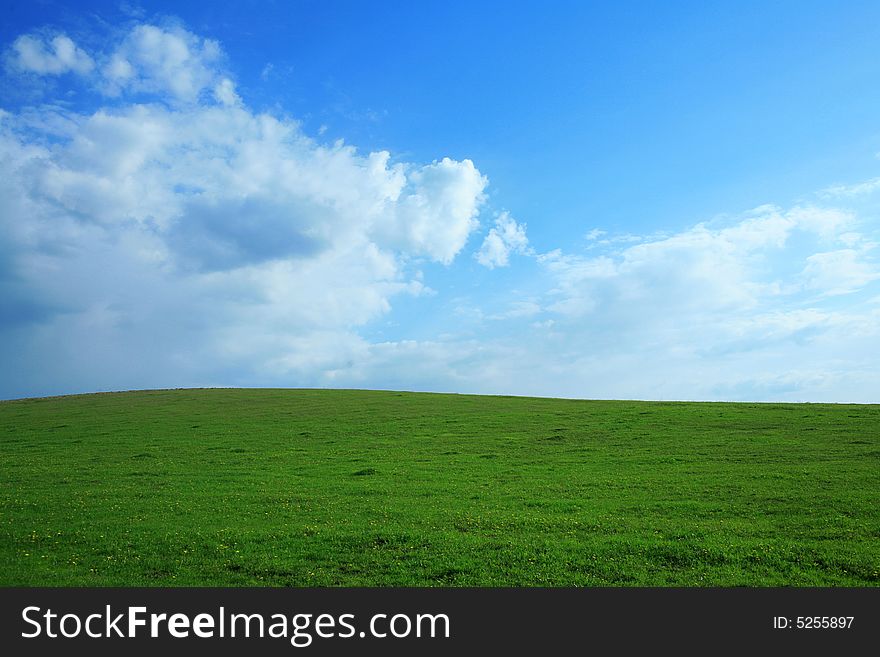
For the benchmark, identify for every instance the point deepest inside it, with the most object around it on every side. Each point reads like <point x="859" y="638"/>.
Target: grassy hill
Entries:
<point x="321" y="487"/>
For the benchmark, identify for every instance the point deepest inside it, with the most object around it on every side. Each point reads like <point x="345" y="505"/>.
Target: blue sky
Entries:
<point x="617" y="200"/>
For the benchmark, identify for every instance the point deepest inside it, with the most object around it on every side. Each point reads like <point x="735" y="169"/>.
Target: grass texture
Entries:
<point x="226" y="487"/>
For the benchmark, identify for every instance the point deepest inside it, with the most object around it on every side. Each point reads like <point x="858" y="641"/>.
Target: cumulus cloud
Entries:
<point x="224" y="92"/>
<point x="176" y="237"/>
<point x="197" y="242"/>
<point x="506" y="237"/>
<point x="167" y="60"/>
<point x="435" y="208"/>
<point x="34" y="54"/>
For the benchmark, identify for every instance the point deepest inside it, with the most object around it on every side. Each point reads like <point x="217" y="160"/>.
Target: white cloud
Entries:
<point x="699" y="270"/>
<point x="809" y="355"/>
<point x="519" y="309"/>
<point x="506" y="237"/>
<point x="194" y="241"/>
<point x="863" y="188"/>
<point x="224" y="92"/>
<point x="828" y="223"/>
<point x="166" y="61"/>
<point x="739" y="310"/>
<point x="53" y="57"/>
<point x="839" y="272"/>
<point x="199" y="242"/>
<point x="434" y="207"/>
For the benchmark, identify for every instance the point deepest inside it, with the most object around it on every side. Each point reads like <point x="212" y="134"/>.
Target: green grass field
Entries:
<point x="328" y="488"/>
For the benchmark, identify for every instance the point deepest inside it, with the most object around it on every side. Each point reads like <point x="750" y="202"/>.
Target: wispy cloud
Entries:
<point x="840" y="272"/>
<point x="863" y="188"/>
<point x="773" y="304"/>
